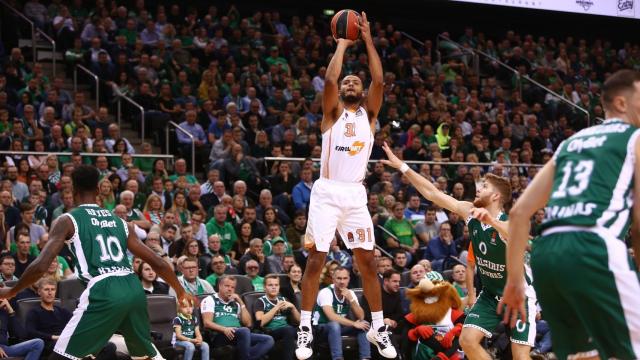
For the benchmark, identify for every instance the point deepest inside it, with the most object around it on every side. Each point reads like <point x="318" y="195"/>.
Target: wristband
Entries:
<point x="404" y="168"/>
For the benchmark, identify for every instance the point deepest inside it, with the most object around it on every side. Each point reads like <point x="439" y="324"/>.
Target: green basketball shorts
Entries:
<point x="112" y="302"/>
<point x="483" y="317"/>
<point x="589" y="292"/>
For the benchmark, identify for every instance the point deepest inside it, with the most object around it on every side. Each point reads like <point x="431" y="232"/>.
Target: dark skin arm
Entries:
<point x="61" y="230"/>
<point x="331" y="107"/>
<point x="376" y="88"/>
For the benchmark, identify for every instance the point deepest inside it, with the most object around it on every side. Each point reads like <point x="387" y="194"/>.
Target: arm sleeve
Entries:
<point x="325" y="298"/>
<point x="207" y="305"/>
<point x="259" y="306"/>
<point x="353" y="294"/>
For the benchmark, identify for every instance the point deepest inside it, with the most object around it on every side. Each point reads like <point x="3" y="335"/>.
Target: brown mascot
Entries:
<point x="437" y="317"/>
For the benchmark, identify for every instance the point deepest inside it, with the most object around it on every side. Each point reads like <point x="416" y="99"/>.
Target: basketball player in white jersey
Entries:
<point x="338" y="197"/>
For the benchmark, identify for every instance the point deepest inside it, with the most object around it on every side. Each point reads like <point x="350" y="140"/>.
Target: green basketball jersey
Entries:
<point x="279" y="319"/>
<point x="490" y="253"/>
<point x="99" y="243"/>
<point x="340" y="306"/>
<point x="593" y="181"/>
<point x="226" y="314"/>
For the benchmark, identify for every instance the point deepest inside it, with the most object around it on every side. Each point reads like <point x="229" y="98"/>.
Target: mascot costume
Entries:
<point x="437" y="317"/>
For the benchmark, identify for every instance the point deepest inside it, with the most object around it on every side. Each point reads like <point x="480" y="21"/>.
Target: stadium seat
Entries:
<point x="405" y="279"/>
<point x="69" y="291"/>
<point x="448" y="275"/>
<point x="162" y="310"/>
<point x="243" y="284"/>
<point x="250" y="299"/>
<point x="23" y="308"/>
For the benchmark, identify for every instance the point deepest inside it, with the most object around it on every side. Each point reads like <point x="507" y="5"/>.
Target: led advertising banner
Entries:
<point x="618" y="8"/>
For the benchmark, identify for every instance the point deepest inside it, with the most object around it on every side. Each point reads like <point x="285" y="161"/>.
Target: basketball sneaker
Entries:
<point x="303" y="346"/>
<point x="380" y="338"/>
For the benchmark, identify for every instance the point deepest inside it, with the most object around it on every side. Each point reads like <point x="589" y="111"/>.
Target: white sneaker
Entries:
<point x="303" y="346"/>
<point x="381" y="340"/>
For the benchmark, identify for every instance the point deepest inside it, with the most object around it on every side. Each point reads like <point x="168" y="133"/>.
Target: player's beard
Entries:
<point x="481" y="202"/>
<point x="351" y="99"/>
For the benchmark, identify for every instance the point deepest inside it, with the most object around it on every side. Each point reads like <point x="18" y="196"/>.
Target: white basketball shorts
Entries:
<point x="342" y="206"/>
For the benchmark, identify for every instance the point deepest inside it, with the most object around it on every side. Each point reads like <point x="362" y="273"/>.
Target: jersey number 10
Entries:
<point x="107" y="249"/>
<point x="579" y="175"/>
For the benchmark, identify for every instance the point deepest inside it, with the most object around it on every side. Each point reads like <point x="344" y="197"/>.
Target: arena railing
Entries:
<point x="193" y="143"/>
<point x="31" y="24"/>
<point x="95" y="79"/>
<point x="53" y="49"/>
<point x="169" y="157"/>
<point x="416" y="162"/>
<point x="119" y="97"/>
<point x="519" y="77"/>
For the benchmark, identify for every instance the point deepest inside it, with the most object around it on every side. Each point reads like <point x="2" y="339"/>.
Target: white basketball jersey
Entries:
<point x="346" y="147"/>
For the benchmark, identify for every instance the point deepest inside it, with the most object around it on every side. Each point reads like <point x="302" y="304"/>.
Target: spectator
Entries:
<point x="47" y="321"/>
<point x="275" y="313"/>
<point x="149" y="279"/>
<point x="404" y="233"/>
<point x="301" y="193"/>
<point x="251" y="269"/>
<point x="226" y="315"/>
<point x="30" y="349"/>
<point x="219" y="268"/>
<point x="186" y="333"/>
<point x="219" y="225"/>
<point x="428" y="229"/>
<point x="417" y="273"/>
<point x="333" y="304"/>
<point x="275" y="259"/>
<point x="22" y="256"/>
<point x="266" y="201"/>
<point x="19" y="189"/>
<point x="199" y="137"/>
<point x="296" y="230"/>
<point x="7" y="268"/>
<point x="190" y="280"/>
<point x="400" y="261"/>
<point x="441" y="247"/>
<point x="340" y="256"/>
<point x="254" y="253"/>
<point x="459" y="278"/>
<point x="391" y="301"/>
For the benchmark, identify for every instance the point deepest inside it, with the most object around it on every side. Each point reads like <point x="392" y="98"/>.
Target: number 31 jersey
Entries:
<point x="593" y="181"/>
<point x="99" y="242"/>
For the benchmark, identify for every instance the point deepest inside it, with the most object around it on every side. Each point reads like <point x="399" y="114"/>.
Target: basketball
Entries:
<point x="344" y="25"/>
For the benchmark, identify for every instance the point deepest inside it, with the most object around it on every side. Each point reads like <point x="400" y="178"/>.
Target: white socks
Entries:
<point x="305" y="319"/>
<point x="377" y="320"/>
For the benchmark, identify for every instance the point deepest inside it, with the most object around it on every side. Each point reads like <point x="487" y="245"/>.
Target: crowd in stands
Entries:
<point x="248" y="87"/>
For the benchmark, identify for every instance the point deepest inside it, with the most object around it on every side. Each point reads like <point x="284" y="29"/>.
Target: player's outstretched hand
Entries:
<point x="393" y="161"/>
<point x="512" y="303"/>
<point x="365" y="31"/>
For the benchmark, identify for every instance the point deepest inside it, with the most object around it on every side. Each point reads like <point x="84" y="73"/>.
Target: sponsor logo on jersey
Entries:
<point x="579" y="208"/>
<point x="493" y="238"/>
<point x="353" y="150"/>
<point x="592" y="142"/>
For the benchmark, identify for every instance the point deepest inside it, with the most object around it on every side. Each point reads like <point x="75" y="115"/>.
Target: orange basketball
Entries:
<point x="344" y="25"/>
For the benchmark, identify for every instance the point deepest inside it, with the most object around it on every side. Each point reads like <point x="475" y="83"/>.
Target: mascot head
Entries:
<point x="432" y="299"/>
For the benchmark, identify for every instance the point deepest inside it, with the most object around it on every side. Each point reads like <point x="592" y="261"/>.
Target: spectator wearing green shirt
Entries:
<point x="252" y="268"/>
<point x="180" y="168"/>
<point x="273" y="313"/>
<point x="219" y="225"/>
<point x="277" y="60"/>
<point x="403" y="231"/>
<point x="218" y="266"/>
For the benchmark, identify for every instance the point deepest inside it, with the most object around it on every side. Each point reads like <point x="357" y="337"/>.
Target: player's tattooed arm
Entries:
<point x="61" y="230"/>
